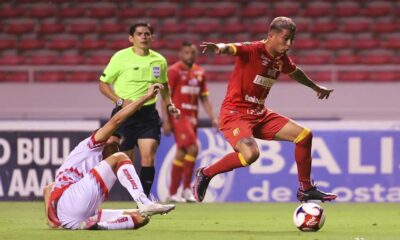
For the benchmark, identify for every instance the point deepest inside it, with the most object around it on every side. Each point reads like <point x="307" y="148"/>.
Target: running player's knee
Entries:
<point x="304" y="137"/>
<point x="249" y="150"/>
<point x="193" y="150"/>
<point x="120" y="156"/>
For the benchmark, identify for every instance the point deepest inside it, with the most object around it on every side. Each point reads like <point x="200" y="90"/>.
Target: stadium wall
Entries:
<point x="367" y="100"/>
<point x="358" y="160"/>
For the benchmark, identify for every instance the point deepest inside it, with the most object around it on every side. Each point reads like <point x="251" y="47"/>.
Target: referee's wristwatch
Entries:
<point x="120" y="102"/>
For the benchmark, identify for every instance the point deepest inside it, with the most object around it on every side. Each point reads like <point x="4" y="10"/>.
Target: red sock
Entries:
<point x="188" y="166"/>
<point x="226" y="164"/>
<point x="302" y="154"/>
<point x="176" y="176"/>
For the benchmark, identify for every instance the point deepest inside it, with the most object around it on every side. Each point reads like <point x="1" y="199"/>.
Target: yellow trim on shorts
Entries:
<point x="302" y="135"/>
<point x="242" y="160"/>
<point x="190" y="158"/>
<point x="178" y="163"/>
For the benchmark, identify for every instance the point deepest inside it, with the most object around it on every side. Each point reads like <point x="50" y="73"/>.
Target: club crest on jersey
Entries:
<point x="156" y="71"/>
<point x="236" y="132"/>
<point x="264" y="81"/>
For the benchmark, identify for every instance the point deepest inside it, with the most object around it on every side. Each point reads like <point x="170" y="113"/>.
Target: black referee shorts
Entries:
<point x="145" y="123"/>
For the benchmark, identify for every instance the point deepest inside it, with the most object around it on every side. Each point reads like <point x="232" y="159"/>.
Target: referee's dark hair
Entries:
<point x="132" y="29"/>
<point x="187" y="44"/>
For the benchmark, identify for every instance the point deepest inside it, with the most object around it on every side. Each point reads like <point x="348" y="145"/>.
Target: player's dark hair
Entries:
<point x="132" y="29"/>
<point x="187" y="44"/>
<point x="280" y="23"/>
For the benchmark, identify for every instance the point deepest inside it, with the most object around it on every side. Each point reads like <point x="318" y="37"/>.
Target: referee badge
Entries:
<point x="156" y="72"/>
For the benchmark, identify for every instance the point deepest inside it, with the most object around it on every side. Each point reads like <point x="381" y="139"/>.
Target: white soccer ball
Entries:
<point x="309" y="217"/>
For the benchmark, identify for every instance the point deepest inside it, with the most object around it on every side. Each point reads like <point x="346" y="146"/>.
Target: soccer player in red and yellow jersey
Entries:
<point x="187" y="83"/>
<point x="244" y="117"/>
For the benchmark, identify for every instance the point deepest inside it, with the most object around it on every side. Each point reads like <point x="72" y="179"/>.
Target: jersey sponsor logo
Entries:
<point x="192" y="90"/>
<point x="193" y="82"/>
<point x="264" y="60"/>
<point x="236" y="132"/>
<point x="264" y="81"/>
<point x="156" y="71"/>
<point x="254" y="99"/>
<point x="188" y="106"/>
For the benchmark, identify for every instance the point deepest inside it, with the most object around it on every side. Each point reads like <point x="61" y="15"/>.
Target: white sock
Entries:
<point x="128" y="177"/>
<point x="123" y="222"/>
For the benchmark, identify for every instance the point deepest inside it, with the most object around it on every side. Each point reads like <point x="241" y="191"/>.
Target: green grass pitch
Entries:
<point x="25" y="220"/>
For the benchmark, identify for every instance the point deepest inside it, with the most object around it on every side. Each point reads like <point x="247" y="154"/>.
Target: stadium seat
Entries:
<point x="20" y="28"/>
<point x="254" y="11"/>
<point x="98" y="59"/>
<point x="17" y="77"/>
<point x="385" y="27"/>
<point x="323" y="27"/>
<point x="62" y="44"/>
<point x="221" y="11"/>
<point x="353" y="76"/>
<point x="71" y="12"/>
<point x="306" y="43"/>
<point x="320" y="76"/>
<point x="162" y="12"/>
<point x="11" y="12"/>
<point x="71" y="60"/>
<point x="82" y="28"/>
<point x="376" y="59"/>
<point x="51" y="76"/>
<point x="393" y="43"/>
<point x="42" y="11"/>
<point x="12" y="60"/>
<point x="233" y="28"/>
<point x="49" y="28"/>
<point x="159" y="44"/>
<point x="356" y="26"/>
<point x="383" y="76"/>
<point x="131" y="12"/>
<point x="119" y="44"/>
<point x="107" y="28"/>
<point x="377" y="9"/>
<point x="43" y="60"/>
<point x="320" y="10"/>
<point x="202" y="28"/>
<point x="7" y="43"/>
<point x="84" y="77"/>
<point x="102" y="12"/>
<point x="30" y="44"/>
<point x="347" y="9"/>
<point x="222" y="60"/>
<point x="192" y="12"/>
<point x="315" y="59"/>
<point x="257" y="28"/>
<point x="337" y="44"/>
<point x="346" y="59"/>
<point x="91" y="44"/>
<point x="288" y="10"/>
<point x="366" y="43"/>
<point x="169" y="28"/>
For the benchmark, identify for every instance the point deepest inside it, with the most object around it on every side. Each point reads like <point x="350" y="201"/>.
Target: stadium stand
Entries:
<point x="330" y="32"/>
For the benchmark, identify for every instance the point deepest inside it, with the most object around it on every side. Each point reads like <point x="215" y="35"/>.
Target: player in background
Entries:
<point x="84" y="180"/>
<point x="187" y="83"/>
<point x="244" y="117"/>
<point x="128" y="75"/>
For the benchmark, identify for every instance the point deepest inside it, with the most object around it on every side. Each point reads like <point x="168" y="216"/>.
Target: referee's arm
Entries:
<point x="108" y="91"/>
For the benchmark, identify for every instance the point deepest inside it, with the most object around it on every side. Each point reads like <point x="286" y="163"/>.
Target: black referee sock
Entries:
<point x="147" y="178"/>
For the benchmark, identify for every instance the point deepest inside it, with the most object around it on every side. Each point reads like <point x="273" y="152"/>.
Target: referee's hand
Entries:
<point x="154" y="90"/>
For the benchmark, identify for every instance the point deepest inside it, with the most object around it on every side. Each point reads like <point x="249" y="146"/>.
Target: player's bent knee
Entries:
<point x="304" y="137"/>
<point x="249" y="150"/>
<point x="193" y="150"/>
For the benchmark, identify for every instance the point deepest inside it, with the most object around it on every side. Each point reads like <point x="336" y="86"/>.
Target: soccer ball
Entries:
<point x="309" y="217"/>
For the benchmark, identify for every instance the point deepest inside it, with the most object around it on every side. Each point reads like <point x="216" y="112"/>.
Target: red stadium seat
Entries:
<point x="91" y="44"/>
<point x="190" y="12"/>
<point x="366" y="43"/>
<point x="233" y="28"/>
<point x="315" y="59"/>
<point x="62" y="44"/>
<point x="306" y="43"/>
<point x="286" y="11"/>
<point x="254" y="11"/>
<point x="317" y="11"/>
<point x="320" y="76"/>
<point x="223" y="60"/>
<point x="221" y="11"/>
<point x="346" y="59"/>
<point x="11" y="12"/>
<point x="356" y="27"/>
<point x="385" y="27"/>
<point x="174" y="45"/>
<point x="376" y="11"/>
<point x="203" y="28"/>
<point x="42" y="11"/>
<point x="84" y="77"/>
<point x="393" y="43"/>
<point x="257" y="28"/>
<point x="159" y="44"/>
<point x="353" y="76"/>
<point x="102" y="12"/>
<point x="324" y="27"/>
<point x="337" y="44"/>
<point x="169" y="28"/>
<point x="119" y="44"/>
<point x="132" y="12"/>
<point x="43" y="60"/>
<point x="20" y="77"/>
<point x="12" y="60"/>
<point x="7" y="44"/>
<point x="20" y="28"/>
<point x="98" y="59"/>
<point x="30" y="44"/>
<point x="71" y="60"/>
<point x="82" y="28"/>
<point x="162" y="12"/>
<point x="51" y="76"/>
<point x="48" y="28"/>
<point x="383" y="76"/>
<point x="376" y="59"/>
<point x="347" y="9"/>
<point x="71" y="12"/>
<point x="106" y="28"/>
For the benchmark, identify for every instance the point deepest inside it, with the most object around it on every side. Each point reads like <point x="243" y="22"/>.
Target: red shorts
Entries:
<point x="185" y="132"/>
<point x="236" y="125"/>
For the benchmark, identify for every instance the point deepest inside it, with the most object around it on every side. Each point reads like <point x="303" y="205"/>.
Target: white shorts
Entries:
<point x="82" y="199"/>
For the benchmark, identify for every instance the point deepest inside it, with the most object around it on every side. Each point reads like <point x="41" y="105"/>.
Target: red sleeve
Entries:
<point x="172" y="79"/>
<point x="204" y="88"/>
<point x="288" y="65"/>
<point x="242" y="49"/>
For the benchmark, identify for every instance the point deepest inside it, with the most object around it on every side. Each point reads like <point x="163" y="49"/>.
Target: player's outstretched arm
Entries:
<point x="108" y="129"/>
<point x="218" y="48"/>
<point x="301" y="77"/>
<point x="46" y="198"/>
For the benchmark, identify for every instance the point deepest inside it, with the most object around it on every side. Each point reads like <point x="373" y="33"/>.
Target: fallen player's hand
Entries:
<point x="323" y="92"/>
<point x="175" y="112"/>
